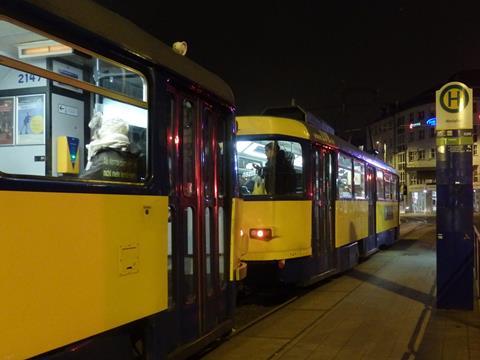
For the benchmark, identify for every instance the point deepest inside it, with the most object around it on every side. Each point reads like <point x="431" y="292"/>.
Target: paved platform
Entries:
<point x="382" y="309"/>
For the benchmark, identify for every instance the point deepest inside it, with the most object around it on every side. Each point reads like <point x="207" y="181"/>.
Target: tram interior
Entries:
<point x="252" y="158"/>
<point x="36" y="111"/>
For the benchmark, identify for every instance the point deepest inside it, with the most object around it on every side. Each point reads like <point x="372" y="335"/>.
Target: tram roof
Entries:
<point x="113" y="27"/>
<point x="271" y="125"/>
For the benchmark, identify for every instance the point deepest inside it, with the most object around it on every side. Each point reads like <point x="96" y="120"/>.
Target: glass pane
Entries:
<point x="108" y="142"/>
<point x="208" y="252"/>
<point x="99" y="139"/>
<point x="359" y="179"/>
<point x="117" y="148"/>
<point x="188" y="147"/>
<point x="270" y="167"/>
<point x="318" y="176"/>
<point x="380" y="185"/>
<point x="344" y="180"/>
<point x="344" y="161"/>
<point x="188" y="259"/>
<point x="172" y="140"/>
<point x="207" y="158"/>
<point x="221" y="247"/>
<point x="388" y="186"/>
<point x="33" y="48"/>
<point x="220" y="126"/>
<point x="395" y="188"/>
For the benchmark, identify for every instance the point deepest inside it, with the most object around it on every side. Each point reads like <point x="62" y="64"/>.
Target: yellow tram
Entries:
<point x="314" y="207"/>
<point x="115" y="189"/>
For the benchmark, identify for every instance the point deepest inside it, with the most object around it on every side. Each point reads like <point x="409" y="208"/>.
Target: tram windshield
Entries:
<point x="270" y="167"/>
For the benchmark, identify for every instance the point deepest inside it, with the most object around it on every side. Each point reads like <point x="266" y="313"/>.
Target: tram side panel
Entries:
<point x="351" y="225"/>
<point x="387" y="222"/>
<point x="57" y="268"/>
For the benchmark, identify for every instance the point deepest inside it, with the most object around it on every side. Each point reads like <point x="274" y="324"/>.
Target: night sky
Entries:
<point x="343" y="60"/>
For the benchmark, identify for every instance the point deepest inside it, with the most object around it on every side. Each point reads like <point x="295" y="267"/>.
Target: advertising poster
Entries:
<point x="31" y="119"/>
<point x="6" y="121"/>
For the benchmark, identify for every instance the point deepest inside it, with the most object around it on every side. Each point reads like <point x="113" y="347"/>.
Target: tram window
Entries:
<point x="188" y="149"/>
<point x="188" y="259"/>
<point x="394" y="188"/>
<point x="359" y="179"/>
<point x="380" y="185"/>
<point x="208" y="252"/>
<point x="270" y="167"/>
<point x="96" y="126"/>
<point x="117" y="148"/>
<point x="221" y="156"/>
<point x="221" y="247"/>
<point x="207" y="158"/>
<point x="344" y="180"/>
<point x="172" y="140"/>
<point x="29" y="47"/>
<point x="388" y="186"/>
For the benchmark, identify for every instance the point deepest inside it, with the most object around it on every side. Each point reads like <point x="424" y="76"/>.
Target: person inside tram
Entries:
<point x="278" y="173"/>
<point x="111" y="156"/>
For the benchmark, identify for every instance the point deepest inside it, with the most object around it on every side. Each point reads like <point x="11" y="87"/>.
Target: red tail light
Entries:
<point x="261" y="234"/>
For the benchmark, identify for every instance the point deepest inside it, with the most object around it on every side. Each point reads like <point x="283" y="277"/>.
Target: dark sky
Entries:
<point x="362" y="54"/>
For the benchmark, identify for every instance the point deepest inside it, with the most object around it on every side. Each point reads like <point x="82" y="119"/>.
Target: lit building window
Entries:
<point x="412" y="155"/>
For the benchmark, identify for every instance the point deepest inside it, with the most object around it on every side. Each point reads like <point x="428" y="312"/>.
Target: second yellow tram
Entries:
<point x="342" y="206"/>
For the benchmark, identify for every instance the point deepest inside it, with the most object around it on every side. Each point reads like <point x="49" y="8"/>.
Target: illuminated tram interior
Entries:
<point x="110" y="92"/>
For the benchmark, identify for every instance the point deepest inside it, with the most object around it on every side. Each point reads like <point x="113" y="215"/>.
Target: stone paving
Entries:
<point x="382" y="309"/>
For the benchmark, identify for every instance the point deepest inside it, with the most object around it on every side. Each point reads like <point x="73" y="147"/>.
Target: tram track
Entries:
<point x="256" y="307"/>
<point x="264" y="301"/>
<point x="261" y="304"/>
<point x="237" y="331"/>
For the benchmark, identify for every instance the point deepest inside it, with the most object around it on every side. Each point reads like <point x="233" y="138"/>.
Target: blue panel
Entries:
<point x="455" y="228"/>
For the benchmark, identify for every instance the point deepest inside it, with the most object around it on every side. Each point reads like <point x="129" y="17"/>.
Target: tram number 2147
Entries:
<point x="24" y="78"/>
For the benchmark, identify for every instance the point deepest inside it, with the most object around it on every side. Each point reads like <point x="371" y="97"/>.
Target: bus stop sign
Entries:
<point x="454" y="108"/>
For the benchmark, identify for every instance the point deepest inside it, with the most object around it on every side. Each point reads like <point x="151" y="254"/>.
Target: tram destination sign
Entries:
<point x="454" y="110"/>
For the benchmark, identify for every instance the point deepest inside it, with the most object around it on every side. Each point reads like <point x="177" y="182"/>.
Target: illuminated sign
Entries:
<point x="431" y="122"/>
<point x="453" y="107"/>
<point x="414" y="125"/>
<point x="454" y="98"/>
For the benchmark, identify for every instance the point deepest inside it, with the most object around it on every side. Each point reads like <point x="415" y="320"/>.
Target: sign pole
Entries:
<point x="455" y="236"/>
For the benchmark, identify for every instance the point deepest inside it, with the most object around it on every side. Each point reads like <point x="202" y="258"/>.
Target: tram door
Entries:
<point x="197" y="218"/>
<point x="371" y="195"/>
<point x="322" y="210"/>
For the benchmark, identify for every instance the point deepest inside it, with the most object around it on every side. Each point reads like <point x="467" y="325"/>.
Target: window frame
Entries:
<point x="105" y="51"/>
<point x="51" y="75"/>
<point x="363" y="165"/>
<point x="377" y="171"/>
<point x="307" y="171"/>
<point x="339" y="197"/>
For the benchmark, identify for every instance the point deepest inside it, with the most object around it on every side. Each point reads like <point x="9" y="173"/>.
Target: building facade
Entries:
<point x="405" y="138"/>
